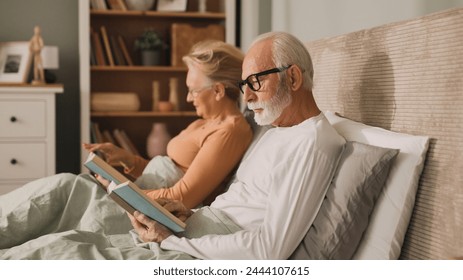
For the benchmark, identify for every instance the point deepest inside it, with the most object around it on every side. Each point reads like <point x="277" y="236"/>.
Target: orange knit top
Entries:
<point x="207" y="153"/>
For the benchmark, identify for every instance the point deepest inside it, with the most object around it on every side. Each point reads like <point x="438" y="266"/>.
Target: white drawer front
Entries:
<point x="20" y="161"/>
<point x="25" y="118"/>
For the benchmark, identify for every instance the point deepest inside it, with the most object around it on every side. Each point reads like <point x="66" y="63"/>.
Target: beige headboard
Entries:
<point x="407" y="77"/>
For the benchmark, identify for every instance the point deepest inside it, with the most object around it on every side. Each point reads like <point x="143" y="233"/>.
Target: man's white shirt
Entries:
<point x="278" y="190"/>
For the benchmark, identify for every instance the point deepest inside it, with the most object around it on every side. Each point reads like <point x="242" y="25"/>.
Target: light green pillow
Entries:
<point x="343" y="216"/>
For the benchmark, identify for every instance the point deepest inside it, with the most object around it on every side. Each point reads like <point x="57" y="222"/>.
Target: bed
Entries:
<point x="407" y="77"/>
<point x="397" y="87"/>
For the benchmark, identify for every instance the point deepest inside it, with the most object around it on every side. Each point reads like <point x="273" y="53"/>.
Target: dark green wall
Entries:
<point x="58" y="20"/>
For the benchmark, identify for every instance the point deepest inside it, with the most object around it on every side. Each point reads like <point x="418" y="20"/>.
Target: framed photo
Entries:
<point x="15" y="62"/>
<point x="171" y="5"/>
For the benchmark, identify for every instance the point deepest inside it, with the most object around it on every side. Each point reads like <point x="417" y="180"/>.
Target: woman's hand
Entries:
<point x="113" y="154"/>
<point x="148" y="230"/>
<point x="176" y="208"/>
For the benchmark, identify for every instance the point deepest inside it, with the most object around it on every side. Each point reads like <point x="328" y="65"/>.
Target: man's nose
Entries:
<point x="249" y="95"/>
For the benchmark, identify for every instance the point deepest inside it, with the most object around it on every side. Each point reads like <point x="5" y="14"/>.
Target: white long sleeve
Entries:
<point x="276" y="196"/>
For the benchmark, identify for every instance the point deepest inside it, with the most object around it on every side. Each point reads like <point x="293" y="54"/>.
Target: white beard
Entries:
<point x="272" y="108"/>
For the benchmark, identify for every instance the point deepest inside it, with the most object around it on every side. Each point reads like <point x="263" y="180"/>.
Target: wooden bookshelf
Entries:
<point x="123" y="77"/>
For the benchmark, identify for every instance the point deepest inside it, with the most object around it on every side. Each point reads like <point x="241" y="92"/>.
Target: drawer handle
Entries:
<point x="13" y="161"/>
<point x="13" y="119"/>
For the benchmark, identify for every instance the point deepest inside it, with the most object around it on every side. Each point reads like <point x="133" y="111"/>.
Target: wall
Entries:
<point x="314" y="19"/>
<point x="307" y="19"/>
<point x="58" y="20"/>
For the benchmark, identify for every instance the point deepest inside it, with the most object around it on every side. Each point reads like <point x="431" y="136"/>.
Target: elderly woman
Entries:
<point x="198" y="160"/>
<point x="203" y="154"/>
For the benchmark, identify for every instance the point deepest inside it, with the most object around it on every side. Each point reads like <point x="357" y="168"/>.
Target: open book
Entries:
<point x="130" y="197"/>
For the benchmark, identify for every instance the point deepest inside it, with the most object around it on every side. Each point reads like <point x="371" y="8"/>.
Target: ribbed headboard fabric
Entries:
<point x="407" y="77"/>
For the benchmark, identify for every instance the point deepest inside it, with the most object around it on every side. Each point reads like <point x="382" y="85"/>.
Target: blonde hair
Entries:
<point x="220" y="62"/>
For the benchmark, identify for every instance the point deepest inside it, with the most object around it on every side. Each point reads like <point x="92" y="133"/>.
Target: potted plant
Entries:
<point x="150" y="44"/>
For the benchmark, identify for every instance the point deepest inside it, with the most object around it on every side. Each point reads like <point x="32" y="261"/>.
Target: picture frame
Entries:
<point x="15" y="62"/>
<point x="171" y="5"/>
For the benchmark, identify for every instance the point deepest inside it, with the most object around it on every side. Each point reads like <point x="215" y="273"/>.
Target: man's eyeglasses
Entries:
<point x="253" y="82"/>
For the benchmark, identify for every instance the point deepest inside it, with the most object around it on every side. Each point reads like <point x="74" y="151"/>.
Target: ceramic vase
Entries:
<point x="202" y="6"/>
<point x="156" y="95"/>
<point x="156" y="144"/>
<point x="173" y="93"/>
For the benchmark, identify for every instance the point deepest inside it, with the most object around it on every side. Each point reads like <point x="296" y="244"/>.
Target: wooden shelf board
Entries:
<point x="191" y="15"/>
<point x="139" y="68"/>
<point x="28" y="85"/>
<point x="145" y="114"/>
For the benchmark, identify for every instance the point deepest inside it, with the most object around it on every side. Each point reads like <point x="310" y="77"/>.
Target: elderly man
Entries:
<point x="280" y="185"/>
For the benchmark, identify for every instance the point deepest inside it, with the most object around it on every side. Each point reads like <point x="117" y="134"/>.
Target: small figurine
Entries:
<point x="35" y="47"/>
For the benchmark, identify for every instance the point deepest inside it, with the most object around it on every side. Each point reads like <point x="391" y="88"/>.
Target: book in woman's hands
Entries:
<point x="99" y="166"/>
<point x="130" y="197"/>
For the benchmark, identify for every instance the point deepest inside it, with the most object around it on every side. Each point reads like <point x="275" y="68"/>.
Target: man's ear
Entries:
<point x="295" y="77"/>
<point x="219" y="91"/>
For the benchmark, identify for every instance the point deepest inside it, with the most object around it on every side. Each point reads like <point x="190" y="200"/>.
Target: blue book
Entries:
<point x="130" y="197"/>
<point x="99" y="166"/>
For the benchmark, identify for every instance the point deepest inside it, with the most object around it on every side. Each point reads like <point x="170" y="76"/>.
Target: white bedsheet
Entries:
<point x="69" y="216"/>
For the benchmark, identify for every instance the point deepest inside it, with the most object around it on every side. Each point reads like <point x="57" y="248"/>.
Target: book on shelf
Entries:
<point x="124" y="141"/>
<point x="123" y="5"/>
<point x="117" y="52"/>
<point x="107" y="49"/>
<point x="98" y="5"/>
<point x="124" y="50"/>
<point x="129" y="142"/>
<point x="92" y="57"/>
<point x="119" y="138"/>
<point x="95" y="133"/>
<point x="107" y="46"/>
<point x="92" y="50"/>
<point x="98" y="48"/>
<point x="130" y="197"/>
<point x="96" y="136"/>
<point x="107" y="136"/>
<point x="117" y="5"/>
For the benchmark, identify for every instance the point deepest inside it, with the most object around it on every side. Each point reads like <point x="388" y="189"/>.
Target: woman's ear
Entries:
<point x="219" y="91"/>
<point x="295" y="77"/>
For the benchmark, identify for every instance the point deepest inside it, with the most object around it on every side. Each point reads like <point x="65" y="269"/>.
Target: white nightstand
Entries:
<point x="27" y="134"/>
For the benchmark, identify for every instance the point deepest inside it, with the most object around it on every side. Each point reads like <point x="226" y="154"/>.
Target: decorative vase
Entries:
<point x="156" y="94"/>
<point x="165" y="106"/>
<point x="156" y="143"/>
<point x="173" y="93"/>
<point x="150" y="58"/>
<point x="202" y="6"/>
<point x="139" y="5"/>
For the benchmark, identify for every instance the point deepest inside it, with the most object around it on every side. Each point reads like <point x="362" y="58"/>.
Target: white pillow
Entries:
<point x="389" y="221"/>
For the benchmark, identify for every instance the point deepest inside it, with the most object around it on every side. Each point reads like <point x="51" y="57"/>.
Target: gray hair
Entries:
<point x="287" y="50"/>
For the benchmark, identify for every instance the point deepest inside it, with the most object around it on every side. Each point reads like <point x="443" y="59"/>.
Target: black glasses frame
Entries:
<point x="253" y="79"/>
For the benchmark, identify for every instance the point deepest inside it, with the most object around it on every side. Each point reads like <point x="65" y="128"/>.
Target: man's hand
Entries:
<point x="152" y="231"/>
<point x="148" y="230"/>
